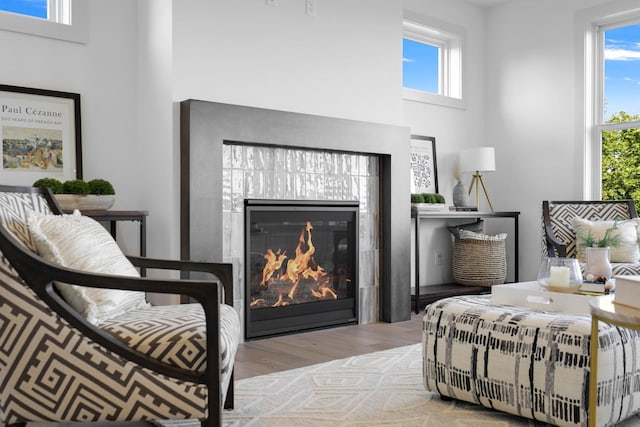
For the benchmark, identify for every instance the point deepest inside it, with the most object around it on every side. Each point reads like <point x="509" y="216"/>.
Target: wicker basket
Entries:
<point x="479" y="262"/>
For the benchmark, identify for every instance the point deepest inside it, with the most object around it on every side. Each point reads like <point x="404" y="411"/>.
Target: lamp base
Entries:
<point x="478" y="181"/>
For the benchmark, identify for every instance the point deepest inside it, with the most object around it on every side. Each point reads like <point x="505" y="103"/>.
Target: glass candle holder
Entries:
<point x="560" y="274"/>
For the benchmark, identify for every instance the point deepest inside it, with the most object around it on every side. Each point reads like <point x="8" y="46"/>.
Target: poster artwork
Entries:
<point x="32" y="149"/>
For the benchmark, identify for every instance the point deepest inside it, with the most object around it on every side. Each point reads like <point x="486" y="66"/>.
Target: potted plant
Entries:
<point x="596" y="253"/>
<point x="427" y="201"/>
<point x="97" y="194"/>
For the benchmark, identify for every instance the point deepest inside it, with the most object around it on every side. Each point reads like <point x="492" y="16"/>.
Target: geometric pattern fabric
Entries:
<point x="529" y="363"/>
<point x="51" y="372"/>
<point x="561" y="215"/>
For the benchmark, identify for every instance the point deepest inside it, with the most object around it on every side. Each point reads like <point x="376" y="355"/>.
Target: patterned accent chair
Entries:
<point x="153" y="362"/>
<point x="559" y="237"/>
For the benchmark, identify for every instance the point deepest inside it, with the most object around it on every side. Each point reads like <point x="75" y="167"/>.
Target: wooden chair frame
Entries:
<point x="40" y="274"/>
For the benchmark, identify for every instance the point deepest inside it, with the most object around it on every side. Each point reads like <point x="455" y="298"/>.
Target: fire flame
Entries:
<point x="299" y="271"/>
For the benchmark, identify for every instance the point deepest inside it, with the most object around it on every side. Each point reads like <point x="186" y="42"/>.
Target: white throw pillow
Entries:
<point x="627" y="250"/>
<point x="466" y="234"/>
<point x="80" y="242"/>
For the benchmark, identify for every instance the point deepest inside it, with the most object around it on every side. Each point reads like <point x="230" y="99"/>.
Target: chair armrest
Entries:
<point x="222" y="271"/>
<point x="39" y="274"/>
<point x="554" y="246"/>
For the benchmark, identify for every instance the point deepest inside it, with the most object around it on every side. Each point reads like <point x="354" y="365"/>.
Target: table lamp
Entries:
<point x="477" y="160"/>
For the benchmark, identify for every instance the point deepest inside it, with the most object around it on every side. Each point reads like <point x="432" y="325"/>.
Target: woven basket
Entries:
<point x="479" y="262"/>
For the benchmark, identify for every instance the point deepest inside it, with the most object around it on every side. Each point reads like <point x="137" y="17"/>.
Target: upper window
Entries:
<point x="614" y="144"/>
<point x="58" y="19"/>
<point x="432" y="63"/>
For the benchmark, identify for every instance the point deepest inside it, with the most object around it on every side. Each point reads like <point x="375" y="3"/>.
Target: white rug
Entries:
<point x="377" y="389"/>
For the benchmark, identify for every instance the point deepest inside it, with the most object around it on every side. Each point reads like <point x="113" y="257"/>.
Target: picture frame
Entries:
<point x="424" y="166"/>
<point x="41" y="136"/>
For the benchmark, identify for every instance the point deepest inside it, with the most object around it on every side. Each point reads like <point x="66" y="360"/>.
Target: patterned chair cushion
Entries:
<point x="175" y="335"/>
<point x="529" y="363"/>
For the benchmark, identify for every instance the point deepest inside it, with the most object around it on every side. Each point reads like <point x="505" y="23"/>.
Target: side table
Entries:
<point x="440" y="291"/>
<point x="603" y="309"/>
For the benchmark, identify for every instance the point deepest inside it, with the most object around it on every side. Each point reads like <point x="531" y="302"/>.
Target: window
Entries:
<point x="432" y="65"/>
<point x="614" y="140"/>
<point x="58" y="19"/>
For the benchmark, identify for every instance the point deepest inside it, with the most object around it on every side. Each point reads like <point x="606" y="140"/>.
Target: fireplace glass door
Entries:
<point x="301" y="263"/>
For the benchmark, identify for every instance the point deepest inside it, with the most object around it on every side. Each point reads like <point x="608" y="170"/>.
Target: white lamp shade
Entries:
<point x="481" y="159"/>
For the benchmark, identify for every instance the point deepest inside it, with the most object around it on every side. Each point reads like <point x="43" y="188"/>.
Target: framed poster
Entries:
<point x="41" y="135"/>
<point x="424" y="169"/>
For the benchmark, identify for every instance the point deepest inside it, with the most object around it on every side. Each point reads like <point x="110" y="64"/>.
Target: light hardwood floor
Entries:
<point x="276" y="354"/>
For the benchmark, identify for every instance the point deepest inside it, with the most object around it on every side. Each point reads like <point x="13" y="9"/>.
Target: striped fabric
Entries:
<point x="50" y="372"/>
<point x="528" y="363"/>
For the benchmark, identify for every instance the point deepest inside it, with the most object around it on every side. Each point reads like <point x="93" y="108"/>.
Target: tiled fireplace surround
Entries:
<point x="230" y="152"/>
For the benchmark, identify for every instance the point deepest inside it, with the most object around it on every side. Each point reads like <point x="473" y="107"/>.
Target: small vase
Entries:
<point x="598" y="262"/>
<point x="460" y="195"/>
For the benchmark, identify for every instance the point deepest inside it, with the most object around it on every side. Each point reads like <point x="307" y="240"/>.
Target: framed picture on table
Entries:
<point x="41" y="135"/>
<point x="424" y="168"/>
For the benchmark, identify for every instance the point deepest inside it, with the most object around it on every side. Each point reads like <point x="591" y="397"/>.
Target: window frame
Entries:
<point x="451" y="41"/>
<point x="595" y="22"/>
<point x="67" y="21"/>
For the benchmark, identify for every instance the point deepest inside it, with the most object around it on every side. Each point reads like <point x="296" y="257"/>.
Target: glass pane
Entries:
<point x="35" y="8"/>
<point x="622" y="74"/>
<point x="420" y="66"/>
<point x="621" y="164"/>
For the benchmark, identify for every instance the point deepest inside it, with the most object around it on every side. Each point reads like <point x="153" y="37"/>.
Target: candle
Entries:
<point x="559" y="276"/>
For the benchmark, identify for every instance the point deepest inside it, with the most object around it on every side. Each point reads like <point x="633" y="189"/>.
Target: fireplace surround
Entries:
<point x="207" y="126"/>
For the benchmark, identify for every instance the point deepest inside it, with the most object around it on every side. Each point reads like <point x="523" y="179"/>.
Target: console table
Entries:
<point x="435" y="292"/>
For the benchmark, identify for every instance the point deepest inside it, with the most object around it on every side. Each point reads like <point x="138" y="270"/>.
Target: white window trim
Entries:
<point x="74" y="11"/>
<point x="452" y="74"/>
<point x="589" y="90"/>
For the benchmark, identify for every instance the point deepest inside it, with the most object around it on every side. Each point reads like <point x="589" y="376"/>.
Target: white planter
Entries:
<point x="90" y="202"/>
<point x="428" y="207"/>
<point x="598" y="262"/>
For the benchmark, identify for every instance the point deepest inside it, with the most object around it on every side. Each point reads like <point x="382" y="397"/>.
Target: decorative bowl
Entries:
<point x="90" y="202"/>
<point x="560" y="275"/>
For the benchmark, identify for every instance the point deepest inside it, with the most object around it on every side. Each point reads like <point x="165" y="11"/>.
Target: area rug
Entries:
<point x="377" y="389"/>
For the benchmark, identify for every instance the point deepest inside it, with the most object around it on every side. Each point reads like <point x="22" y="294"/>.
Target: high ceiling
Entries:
<point x="487" y="3"/>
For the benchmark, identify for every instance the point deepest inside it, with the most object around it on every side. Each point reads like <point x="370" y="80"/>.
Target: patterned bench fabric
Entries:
<point x="175" y="335"/>
<point x="49" y="371"/>
<point x="528" y="363"/>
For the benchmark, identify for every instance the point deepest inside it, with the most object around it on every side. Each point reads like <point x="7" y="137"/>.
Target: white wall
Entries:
<point x="344" y="62"/>
<point x="143" y="57"/>
<point x="103" y="72"/>
<point x="445" y="124"/>
<point x="530" y="112"/>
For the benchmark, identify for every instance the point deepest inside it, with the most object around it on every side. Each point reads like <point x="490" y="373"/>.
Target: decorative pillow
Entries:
<point x="627" y="230"/>
<point x="466" y="234"/>
<point x="80" y="242"/>
<point x="477" y="227"/>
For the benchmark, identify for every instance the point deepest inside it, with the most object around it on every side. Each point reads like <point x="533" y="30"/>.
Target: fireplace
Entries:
<point x="212" y="193"/>
<point x="301" y="265"/>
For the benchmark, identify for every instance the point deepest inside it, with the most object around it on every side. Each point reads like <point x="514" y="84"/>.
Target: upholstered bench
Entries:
<point x="529" y="363"/>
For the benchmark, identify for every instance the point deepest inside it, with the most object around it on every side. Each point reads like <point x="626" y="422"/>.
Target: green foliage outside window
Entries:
<point x="621" y="161"/>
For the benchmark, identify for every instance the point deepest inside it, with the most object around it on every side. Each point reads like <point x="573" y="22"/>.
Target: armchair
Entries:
<point x="164" y="362"/>
<point x="559" y="236"/>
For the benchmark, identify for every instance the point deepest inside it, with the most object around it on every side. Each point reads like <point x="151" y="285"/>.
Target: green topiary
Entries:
<point x="101" y="187"/>
<point x="76" y="186"/>
<point x="417" y="198"/>
<point x="52" y="183"/>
